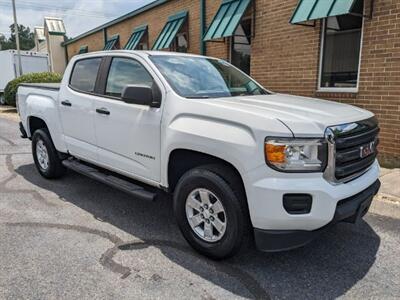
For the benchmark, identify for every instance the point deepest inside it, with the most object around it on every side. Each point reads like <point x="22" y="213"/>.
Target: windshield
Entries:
<point x="200" y="77"/>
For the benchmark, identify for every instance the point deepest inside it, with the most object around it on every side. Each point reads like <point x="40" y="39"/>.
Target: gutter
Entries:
<point x="203" y="12"/>
<point x="65" y="51"/>
<point x="105" y="36"/>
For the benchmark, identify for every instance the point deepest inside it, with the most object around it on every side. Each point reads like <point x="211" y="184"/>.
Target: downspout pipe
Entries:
<point x="65" y="50"/>
<point x="203" y="13"/>
<point x="105" y="36"/>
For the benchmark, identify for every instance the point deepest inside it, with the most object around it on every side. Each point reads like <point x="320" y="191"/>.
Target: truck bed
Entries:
<point x="39" y="100"/>
<point x="46" y="86"/>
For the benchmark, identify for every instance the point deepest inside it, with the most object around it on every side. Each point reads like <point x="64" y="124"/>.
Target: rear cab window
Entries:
<point x="84" y="74"/>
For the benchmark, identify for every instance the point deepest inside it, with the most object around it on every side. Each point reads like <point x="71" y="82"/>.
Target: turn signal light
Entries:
<point x="275" y="153"/>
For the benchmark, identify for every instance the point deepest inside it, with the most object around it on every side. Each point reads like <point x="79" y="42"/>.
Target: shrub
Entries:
<point x="11" y="89"/>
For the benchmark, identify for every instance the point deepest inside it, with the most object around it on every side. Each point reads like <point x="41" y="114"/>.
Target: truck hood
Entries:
<point x="304" y="116"/>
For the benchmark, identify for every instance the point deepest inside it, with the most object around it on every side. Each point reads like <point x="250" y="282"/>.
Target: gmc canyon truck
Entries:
<point x="243" y="164"/>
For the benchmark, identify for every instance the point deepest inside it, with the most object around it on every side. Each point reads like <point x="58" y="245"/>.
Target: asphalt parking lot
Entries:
<point x="77" y="239"/>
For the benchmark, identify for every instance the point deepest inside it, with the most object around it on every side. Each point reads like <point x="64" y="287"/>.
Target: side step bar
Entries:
<point x="113" y="181"/>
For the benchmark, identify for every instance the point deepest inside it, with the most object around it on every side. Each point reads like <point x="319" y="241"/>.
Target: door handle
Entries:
<point x="66" y="103"/>
<point x="103" y="111"/>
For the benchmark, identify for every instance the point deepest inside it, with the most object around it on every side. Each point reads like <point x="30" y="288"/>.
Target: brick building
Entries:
<point x="343" y="50"/>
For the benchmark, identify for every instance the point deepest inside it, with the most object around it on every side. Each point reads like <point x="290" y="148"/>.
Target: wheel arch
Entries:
<point x="182" y="160"/>
<point x="35" y="123"/>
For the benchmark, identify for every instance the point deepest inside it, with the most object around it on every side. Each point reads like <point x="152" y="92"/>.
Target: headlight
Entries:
<point x="296" y="155"/>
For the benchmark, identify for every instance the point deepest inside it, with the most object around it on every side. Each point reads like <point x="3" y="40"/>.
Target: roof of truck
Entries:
<point x="143" y="53"/>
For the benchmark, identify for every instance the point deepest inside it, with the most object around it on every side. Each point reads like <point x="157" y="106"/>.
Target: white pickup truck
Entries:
<point x="242" y="163"/>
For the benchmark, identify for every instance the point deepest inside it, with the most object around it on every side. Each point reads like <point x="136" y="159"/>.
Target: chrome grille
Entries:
<point x="352" y="149"/>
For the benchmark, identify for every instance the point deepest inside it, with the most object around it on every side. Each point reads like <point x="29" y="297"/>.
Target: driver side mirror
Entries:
<point x="142" y="95"/>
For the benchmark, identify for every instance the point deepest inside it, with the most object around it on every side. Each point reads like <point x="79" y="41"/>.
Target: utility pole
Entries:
<point x="17" y="38"/>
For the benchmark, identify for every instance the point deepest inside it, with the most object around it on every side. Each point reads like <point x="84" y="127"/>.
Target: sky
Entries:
<point x="79" y="15"/>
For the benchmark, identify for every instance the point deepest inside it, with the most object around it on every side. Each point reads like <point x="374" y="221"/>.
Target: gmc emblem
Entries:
<point x="367" y="150"/>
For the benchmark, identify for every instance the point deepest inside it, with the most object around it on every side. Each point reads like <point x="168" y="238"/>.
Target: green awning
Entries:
<point x="83" y="49"/>
<point x="112" y="42"/>
<point x="136" y="37"/>
<point x="308" y="10"/>
<point x="170" y="31"/>
<point x="227" y="19"/>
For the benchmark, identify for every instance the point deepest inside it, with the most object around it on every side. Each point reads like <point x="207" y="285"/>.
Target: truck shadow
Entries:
<point x="326" y="268"/>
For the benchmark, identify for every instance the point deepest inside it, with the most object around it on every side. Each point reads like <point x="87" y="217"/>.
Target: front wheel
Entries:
<point x="209" y="213"/>
<point x="45" y="155"/>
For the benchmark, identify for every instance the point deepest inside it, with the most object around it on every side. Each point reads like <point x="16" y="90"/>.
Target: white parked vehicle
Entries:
<point x="32" y="62"/>
<point x="241" y="162"/>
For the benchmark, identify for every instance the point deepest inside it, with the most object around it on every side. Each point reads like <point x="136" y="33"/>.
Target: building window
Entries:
<point x="174" y="35"/>
<point x="241" y="45"/>
<point x="144" y="44"/>
<point x="340" y="52"/>
<point x="112" y="43"/>
<point x="139" y="39"/>
<point x="180" y="43"/>
<point x="83" y="49"/>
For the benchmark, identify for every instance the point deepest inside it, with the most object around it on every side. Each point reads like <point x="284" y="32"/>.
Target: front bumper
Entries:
<point x="347" y="210"/>
<point x="265" y="189"/>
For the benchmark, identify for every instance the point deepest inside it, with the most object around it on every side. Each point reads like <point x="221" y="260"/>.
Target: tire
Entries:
<point x="237" y="223"/>
<point x="54" y="168"/>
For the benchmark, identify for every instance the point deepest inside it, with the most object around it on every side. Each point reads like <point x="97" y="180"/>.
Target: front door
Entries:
<point x="128" y="135"/>
<point x="76" y="109"/>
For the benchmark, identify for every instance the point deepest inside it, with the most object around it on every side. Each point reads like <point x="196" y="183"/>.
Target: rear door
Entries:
<point x="128" y="135"/>
<point x="77" y="109"/>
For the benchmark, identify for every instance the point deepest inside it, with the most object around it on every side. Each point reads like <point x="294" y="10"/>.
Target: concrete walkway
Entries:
<point x="387" y="202"/>
<point x="390" y="179"/>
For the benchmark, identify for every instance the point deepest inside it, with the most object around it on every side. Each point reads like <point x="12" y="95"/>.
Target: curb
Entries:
<point x="7" y="108"/>
<point x="12" y="116"/>
<point x="8" y="111"/>
<point x="386" y="206"/>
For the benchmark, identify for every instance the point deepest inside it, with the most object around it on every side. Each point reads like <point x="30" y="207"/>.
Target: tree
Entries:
<point x="2" y="41"/>
<point x="26" y="39"/>
<point x="5" y="44"/>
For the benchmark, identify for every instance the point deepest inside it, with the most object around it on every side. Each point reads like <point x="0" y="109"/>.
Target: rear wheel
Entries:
<point x="45" y="155"/>
<point x="210" y="213"/>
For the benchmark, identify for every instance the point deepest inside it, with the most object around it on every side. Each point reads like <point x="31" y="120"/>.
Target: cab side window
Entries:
<point x="84" y="74"/>
<point x="123" y="72"/>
